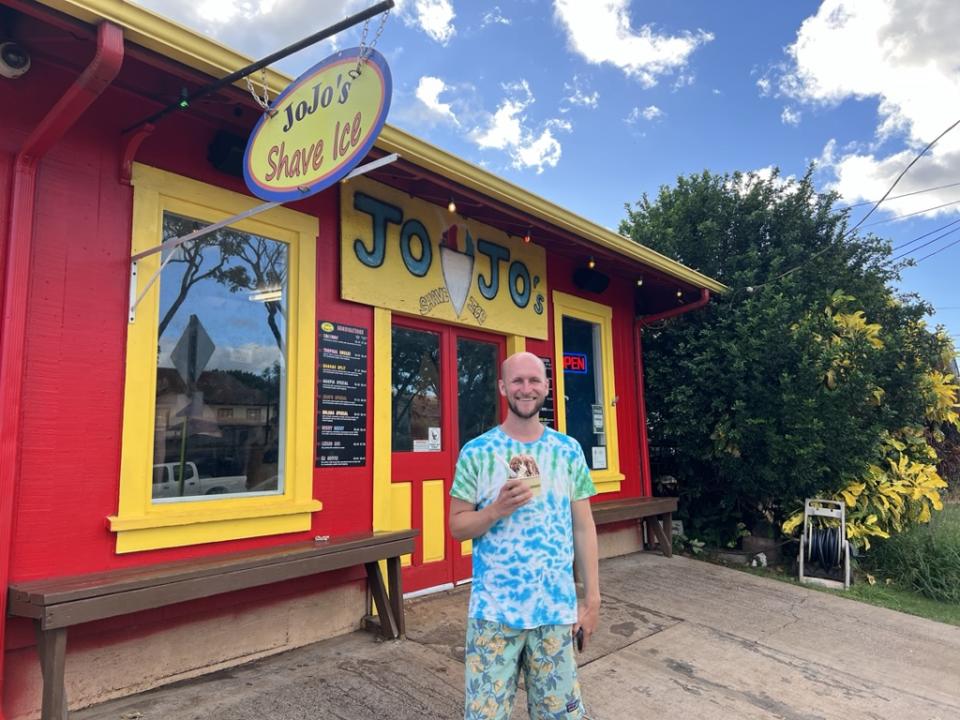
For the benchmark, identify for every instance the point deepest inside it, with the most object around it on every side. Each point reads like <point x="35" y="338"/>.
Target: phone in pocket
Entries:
<point x="578" y="638"/>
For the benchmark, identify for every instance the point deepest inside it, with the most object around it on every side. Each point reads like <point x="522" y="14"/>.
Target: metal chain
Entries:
<point x="365" y="50"/>
<point x="263" y="102"/>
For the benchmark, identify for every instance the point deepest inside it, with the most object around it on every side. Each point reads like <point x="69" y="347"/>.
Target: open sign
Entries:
<point x="575" y="363"/>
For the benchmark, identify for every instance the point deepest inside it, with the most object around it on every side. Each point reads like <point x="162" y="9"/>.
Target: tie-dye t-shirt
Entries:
<point x="523" y="565"/>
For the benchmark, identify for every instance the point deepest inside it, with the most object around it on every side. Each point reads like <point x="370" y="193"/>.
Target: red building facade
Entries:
<point x="118" y="452"/>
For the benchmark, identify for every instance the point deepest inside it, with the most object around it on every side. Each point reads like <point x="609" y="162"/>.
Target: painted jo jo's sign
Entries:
<point x="324" y="124"/>
<point x="408" y="255"/>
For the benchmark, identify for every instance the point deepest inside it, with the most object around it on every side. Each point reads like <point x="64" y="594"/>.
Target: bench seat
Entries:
<point x="56" y="604"/>
<point x="656" y="512"/>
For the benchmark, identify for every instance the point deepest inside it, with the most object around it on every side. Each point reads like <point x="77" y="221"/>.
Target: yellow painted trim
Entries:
<point x="140" y="523"/>
<point x="382" y="436"/>
<point x="607" y="480"/>
<point x="198" y="51"/>
<point x="466" y="547"/>
<point x="515" y="344"/>
<point x="434" y="521"/>
<point x="401" y="509"/>
<point x="152" y="538"/>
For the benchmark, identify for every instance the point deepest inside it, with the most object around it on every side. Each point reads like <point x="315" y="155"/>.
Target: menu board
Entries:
<point x="342" y="396"/>
<point x="547" y="413"/>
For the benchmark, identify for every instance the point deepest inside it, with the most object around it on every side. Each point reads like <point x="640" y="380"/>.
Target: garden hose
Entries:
<point x="824" y="546"/>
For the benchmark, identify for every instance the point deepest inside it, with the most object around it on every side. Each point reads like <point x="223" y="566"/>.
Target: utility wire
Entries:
<point x="904" y="172"/>
<point x="905" y="245"/>
<point x="911" y="214"/>
<point x="863" y="219"/>
<point x="928" y="242"/>
<point x="937" y="252"/>
<point x="897" y="197"/>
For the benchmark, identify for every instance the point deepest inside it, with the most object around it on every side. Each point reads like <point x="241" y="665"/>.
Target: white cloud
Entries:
<point x="435" y="18"/>
<point x="560" y="124"/>
<point x="903" y="54"/>
<point x="649" y="113"/>
<point x="790" y="116"/>
<point x="494" y="17"/>
<point x="600" y="31"/>
<point x="428" y="92"/>
<point x="257" y="27"/>
<point x="579" y="96"/>
<point x="508" y="129"/>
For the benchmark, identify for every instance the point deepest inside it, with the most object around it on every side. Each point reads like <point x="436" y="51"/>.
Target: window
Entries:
<point x="229" y="322"/>
<point x="477" y="394"/>
<point x="584" y="385"/>
<point x="416" y="391"/>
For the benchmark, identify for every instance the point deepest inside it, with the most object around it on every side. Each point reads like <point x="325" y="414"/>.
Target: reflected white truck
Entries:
<point x="166" y="482"/>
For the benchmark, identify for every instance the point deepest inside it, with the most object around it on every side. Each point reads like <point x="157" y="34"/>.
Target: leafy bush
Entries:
<point x="925" y="559"/>
<point x="785" y="387"/>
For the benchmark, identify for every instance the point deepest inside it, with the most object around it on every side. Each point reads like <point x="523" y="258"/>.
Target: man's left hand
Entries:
<point x="588" y="617"/>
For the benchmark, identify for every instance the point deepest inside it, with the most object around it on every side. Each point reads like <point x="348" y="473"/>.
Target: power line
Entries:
<point x="872" y="210"/>
<point x="911" y="214"/>
<point x="926" y="234"/>
<point x="937" y="252"/>
<point x="897" y="197"/>
<point x="904" y="172"/>
<point x="928" y="242"/>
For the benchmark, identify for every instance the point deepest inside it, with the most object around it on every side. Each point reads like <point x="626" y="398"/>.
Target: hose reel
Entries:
<point x="824" y="544"/>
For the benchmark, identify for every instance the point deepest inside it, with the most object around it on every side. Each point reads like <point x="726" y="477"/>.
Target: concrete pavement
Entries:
<point x="679" y="639"/>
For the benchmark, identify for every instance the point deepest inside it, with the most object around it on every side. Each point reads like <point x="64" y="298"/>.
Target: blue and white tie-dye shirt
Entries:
<point x="523" y="565"/>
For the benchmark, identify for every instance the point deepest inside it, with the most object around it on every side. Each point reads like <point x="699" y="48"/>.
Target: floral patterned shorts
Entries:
<point x="495" y="655"/>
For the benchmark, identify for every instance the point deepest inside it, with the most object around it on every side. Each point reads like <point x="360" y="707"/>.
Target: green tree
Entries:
<point x="785" y="387"/>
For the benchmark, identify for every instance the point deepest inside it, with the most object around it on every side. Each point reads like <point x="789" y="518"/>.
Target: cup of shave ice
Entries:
<point x="524" y="467"/>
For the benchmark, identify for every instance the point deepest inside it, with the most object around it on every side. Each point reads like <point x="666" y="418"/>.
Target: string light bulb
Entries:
<point x="679" y="293"/>
<point x="452" y="206"/>
<point x="527" y="236"/>
<point x="640" y="281"/>
<point x="591" y="263"/>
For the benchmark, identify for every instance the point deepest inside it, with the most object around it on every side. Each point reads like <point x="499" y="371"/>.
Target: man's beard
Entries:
<point x="525" y="415"/>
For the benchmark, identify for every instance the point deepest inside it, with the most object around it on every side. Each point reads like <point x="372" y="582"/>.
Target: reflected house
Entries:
<point x="308" y="371"/>
<point x="233" y="432"/>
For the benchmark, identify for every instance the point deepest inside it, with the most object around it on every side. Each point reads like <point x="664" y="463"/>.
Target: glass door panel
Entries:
<point x="583" y="388"/>
<point x="416" y="391"/>
<point x="477" y="394"/>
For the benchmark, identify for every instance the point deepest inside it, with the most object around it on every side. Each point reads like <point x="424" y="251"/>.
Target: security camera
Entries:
<point x="14" y="60"/>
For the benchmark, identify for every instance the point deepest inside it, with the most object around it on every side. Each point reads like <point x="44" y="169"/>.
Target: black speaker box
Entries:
<point x="590" y="280"/>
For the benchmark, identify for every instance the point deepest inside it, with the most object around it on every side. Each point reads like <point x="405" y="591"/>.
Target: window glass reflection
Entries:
<point x="583" y="388"/>
<point x="416" y="391"/>
<point x="477" y="394"/>
<point x="221" y="370"/>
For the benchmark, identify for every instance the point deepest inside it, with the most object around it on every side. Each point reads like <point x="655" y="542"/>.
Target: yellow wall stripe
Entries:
<point x="434" y="532"/>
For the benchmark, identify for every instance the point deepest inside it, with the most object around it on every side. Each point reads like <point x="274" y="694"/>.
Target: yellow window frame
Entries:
<point x="140" y="523"/>
<point x="565" y="305"/>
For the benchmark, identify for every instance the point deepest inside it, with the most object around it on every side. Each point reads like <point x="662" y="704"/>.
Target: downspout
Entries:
<point x="639" y="322"/>
<point x="62" y="116"/>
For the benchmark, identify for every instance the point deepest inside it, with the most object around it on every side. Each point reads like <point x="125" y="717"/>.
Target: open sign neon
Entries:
<point x="575" y="363"/>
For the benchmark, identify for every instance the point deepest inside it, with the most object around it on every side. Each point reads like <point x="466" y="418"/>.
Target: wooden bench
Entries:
<point x="656" y="512"/>
<point x="58" y="603"/>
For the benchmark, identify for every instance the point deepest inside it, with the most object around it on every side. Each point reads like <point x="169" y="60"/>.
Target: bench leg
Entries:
<point x="388" y="623"/>
<point x="663" y="529"/>
<point x="52" y="648"/>
<point x="395" y="586"/>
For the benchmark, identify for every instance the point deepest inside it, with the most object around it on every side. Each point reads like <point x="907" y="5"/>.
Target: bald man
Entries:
<point x="521" y="493"/>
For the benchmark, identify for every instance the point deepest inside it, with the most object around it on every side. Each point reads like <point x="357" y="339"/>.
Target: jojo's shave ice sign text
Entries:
<point x="415" y="257"/>
<point x="319" y="128"/>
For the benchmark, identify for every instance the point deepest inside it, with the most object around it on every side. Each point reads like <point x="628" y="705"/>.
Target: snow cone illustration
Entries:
<point x="525" y="468"/>
<point x="457" y="266"/>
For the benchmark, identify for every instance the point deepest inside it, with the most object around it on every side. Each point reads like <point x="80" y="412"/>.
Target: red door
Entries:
<point x="444" y="387"/>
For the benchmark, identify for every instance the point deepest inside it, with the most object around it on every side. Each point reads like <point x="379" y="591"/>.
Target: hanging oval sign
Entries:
<point x="325" y="123"/>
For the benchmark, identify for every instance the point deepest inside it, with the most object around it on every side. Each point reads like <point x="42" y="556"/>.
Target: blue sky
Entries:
<point x="591" y="103"/>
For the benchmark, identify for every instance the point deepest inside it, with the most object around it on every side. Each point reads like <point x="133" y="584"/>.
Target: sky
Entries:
<point x="592" y="103"/>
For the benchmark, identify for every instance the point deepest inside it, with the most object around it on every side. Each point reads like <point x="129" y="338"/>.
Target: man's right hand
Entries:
<point x="513" y="494"/>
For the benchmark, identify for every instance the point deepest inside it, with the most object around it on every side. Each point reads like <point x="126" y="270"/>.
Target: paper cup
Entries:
<point x="533" y="482"/>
